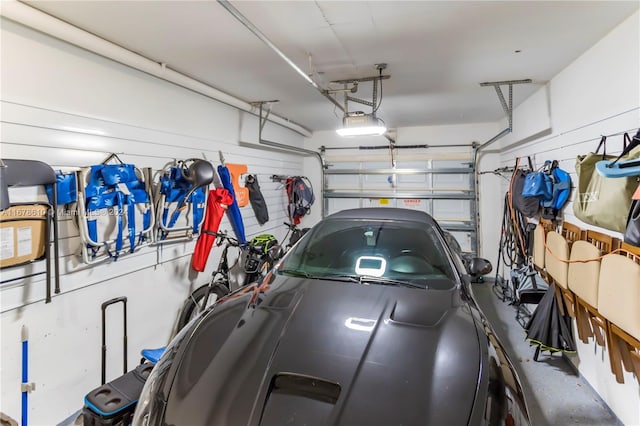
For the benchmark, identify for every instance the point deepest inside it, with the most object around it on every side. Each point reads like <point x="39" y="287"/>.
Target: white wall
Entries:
<point x="67" y="107"/>
<point x="598" y="94"/>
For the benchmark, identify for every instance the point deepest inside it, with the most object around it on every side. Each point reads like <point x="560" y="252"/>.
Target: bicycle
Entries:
<point x="255" y="259"/>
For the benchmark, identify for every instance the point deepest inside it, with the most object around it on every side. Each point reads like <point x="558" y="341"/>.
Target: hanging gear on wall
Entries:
<point x="258" y="204"/>
<point x="528" y="206"/>
<point x="25" y="228"/>
<point x="66" y="189"/>
<point x="120" y="190"/>
<point x="561" y="189"/>
<point x="514" y="236"/>
<point x="233" y="212"/>
<point x="183" y="184"/>
<point x="218" y="202"/>
<point x="300" y="195"/>
<point x="600" y="200"/>
<point x="550" y="185"/>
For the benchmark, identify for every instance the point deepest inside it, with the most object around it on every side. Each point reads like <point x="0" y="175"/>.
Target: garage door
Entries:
<point x="438" y="180"/>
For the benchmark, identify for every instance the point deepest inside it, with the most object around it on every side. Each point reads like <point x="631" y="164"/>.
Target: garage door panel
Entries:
<point x="464" y="239"/>
<point x="451" y="209"/>
<point x="452" y="181"/>
<point x="441" y="185"/>
<point x="415" y="204"/>
<point x="375" y="182"/>
<point x="341" y="182"/>
<point x="338" y="204"/>
<point x="380" y="202"/>
<point x="412" y="181"/>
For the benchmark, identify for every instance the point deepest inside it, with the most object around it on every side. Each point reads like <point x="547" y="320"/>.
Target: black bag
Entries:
<point x="528" y="206"/>
<point x="115" y="402"/>
<point x="632" y="233"/>
<point x="258" y="204"/>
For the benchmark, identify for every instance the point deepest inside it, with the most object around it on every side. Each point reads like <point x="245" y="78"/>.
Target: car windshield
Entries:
<point x="384" y="252"/>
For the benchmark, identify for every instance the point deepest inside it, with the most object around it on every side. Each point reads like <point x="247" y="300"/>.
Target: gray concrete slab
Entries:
<point x="556" y="393"/>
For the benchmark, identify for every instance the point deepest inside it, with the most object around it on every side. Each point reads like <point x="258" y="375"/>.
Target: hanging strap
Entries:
<point x="120" y="208"/>
<point x="629" y="145"/>
<point x="131" y="222"/>
<point x="603" y="145"/>
<point x="197" y="207"/>
<point x="530" y="163"/>
<point x="196" y="199"/>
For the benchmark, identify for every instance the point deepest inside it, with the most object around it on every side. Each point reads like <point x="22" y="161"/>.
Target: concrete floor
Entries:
<point x="556" y="393"/>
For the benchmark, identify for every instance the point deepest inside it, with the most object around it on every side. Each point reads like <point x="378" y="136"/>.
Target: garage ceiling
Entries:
<point x="437" y="51"/>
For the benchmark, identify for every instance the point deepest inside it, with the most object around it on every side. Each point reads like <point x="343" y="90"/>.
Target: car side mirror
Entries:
<point x="479" y="266"/>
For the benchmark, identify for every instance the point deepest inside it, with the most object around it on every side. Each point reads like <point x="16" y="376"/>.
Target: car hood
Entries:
<point x="321" y="352"/>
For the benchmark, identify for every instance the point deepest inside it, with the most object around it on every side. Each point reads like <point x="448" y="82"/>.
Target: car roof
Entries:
<point x="389" y="213"/>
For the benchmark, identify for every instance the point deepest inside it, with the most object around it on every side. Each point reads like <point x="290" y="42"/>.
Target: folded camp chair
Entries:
<point x="538" y="251"/>
<point x="26" y="227"/>
<point x="115" y="211"/>
<point x="619" y="303"/>
<point x="583" y="279"/>
<point x="555" y="257"/>
<point x="182" y="186"/>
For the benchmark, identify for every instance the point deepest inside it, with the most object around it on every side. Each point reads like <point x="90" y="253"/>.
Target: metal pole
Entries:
<point x="56" y="250"/>
<point x="495" y="138"/>
<point x="364" y="147"/>
<point x="25" y="375"/>
<point x="249" y="25"/>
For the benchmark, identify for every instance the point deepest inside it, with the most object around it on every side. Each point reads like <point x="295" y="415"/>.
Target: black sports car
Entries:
<point x="368" y="320"/>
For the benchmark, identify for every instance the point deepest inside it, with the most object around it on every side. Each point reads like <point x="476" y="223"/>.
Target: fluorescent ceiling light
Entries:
<point x="362" y="131"/>
<point x="358" y="124"/>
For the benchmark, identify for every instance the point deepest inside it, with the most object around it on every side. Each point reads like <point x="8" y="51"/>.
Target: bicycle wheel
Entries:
<point x="192" y="306"/>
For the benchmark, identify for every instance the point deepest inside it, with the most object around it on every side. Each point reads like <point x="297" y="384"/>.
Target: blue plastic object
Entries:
<point x="25" y="375"/>
<point x="153" y="355"/>
<point x="619" y="169"/>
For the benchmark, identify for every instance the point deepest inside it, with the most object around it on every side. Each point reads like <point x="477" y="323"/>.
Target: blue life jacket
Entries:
<point x="113" y="186"/>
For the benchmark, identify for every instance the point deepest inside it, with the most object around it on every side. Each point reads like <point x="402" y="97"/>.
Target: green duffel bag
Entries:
<point x="602" y="201"/>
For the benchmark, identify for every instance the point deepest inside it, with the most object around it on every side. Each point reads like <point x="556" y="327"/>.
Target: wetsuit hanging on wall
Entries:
<point x="256" y="198"/>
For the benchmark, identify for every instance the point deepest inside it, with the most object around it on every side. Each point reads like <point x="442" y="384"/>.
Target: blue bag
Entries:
<point x="65" y="188"/>
<point x="561" y="190"/>
<point x="539" y="184"/>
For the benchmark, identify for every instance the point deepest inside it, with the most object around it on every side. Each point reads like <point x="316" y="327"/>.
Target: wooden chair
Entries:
<point x="619" y="303"/>
<point x="556" y="254"/>
<point x="572" y="233"/>
<point x="606" y="243"/>
<point x="583" y="279"/>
